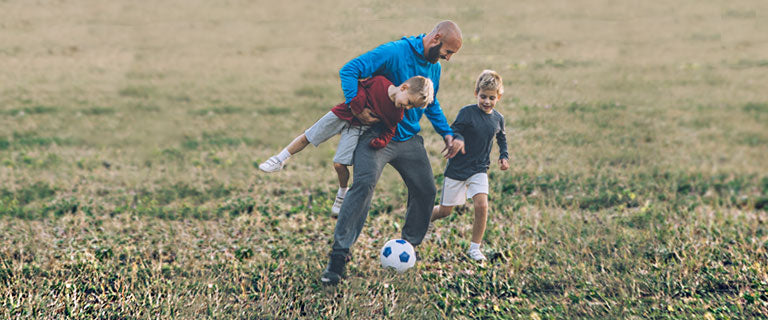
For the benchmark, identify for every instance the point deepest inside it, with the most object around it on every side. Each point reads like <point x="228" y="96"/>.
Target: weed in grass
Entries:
<point x="98" y="111"/>
<point x="276" y="111"/>
<point x="32" y="140"/>
<point x="217" y="111"/>
<point x="33" y="110"/>
<point x="755" y="107"/>
<point x="137" y="91"/>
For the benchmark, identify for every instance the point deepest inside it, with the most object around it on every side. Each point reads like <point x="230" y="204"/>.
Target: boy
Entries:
<point x="385" y="102"/>
<point x="465" y="175"/>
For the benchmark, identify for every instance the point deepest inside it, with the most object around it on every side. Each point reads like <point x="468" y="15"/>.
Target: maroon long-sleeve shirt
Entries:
<point x="373" y="94"/>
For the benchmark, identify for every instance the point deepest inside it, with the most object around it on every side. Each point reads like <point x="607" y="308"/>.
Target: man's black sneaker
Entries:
<point x="334" y="272"/>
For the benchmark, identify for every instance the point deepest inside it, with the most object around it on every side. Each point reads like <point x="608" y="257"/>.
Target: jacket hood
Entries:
<point x="417" y="45"/>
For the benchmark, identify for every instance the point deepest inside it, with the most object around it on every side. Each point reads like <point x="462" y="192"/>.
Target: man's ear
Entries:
<point x="435" y="39"/>
<point x="499" y="97"/>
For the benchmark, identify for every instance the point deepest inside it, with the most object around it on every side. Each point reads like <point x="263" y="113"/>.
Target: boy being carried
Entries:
<point x="376" y="97"/>
<point x="465" y="175"/>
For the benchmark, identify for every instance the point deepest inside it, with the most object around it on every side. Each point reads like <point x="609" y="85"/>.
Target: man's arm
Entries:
<point x="436" y="116"/>
<point x="358" y="107"/>
<point x="440" y="123"/>
<point x="455" y="142"/>
<point x="365" y="66"/>
<point x="435" y="113"/>
<point x="366" y="116"/>
<point x="459" y="125"/>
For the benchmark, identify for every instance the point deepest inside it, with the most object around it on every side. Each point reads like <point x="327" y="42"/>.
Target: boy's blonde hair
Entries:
<point x="489" y="80"/>
<point x="421" y="88"/>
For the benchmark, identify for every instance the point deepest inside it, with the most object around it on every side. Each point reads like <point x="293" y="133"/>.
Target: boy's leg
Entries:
<point x="454" y="194"/>
<point x="480" y="202"/>
<point x="345" y="153"/>
<point x="438" y="212"/>
<point x="413" y="165"/>
<point x="276" y="162"/>
<point x="297" y="144"/>
<point x="343" y="173"/>
<point x="325" y="128"/>
<point x="441" y="211"/>
<point x="477" y="186"/>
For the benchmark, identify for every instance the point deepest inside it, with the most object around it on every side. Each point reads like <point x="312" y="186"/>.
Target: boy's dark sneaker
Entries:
<point x="334" y="272"/>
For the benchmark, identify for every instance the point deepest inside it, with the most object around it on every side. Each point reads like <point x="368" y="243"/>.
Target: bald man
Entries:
<point x="397" y="61"/>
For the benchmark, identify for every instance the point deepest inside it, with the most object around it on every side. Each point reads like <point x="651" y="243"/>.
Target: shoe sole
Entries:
<point x="473" y="258"/>
<point x="327" y="281"/>
<point x="270" y="171"/>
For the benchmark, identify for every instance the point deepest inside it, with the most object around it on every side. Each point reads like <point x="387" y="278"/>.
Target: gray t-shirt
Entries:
<point x="477" y="129"/>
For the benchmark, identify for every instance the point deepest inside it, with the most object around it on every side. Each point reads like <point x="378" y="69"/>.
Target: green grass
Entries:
<point x="129" y="153"/>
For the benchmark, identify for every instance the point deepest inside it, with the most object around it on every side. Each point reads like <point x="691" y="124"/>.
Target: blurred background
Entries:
<point x="131" y="132"/>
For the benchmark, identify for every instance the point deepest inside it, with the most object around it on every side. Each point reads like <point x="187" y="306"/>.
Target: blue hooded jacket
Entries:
<point x="399" y="61"/>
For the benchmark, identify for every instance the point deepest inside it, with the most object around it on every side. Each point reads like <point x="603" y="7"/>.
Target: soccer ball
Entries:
<point x="398" y="254"/>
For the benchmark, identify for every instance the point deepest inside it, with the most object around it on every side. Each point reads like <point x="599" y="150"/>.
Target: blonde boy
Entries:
<point x="466" y="174"/>
<point x="384" y="101"/>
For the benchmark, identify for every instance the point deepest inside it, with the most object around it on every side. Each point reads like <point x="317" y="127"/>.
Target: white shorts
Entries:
<point x="456" y="192"/>
<point x="330" y="125"/>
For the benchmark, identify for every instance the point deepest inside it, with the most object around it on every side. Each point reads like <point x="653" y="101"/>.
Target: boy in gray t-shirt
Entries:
<point x="466" y="175"/>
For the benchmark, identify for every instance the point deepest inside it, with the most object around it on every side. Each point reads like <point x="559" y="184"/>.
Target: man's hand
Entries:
<point x="452" y="147"/>
<point x="504" y="164"/>
<point x="367" y="117"/>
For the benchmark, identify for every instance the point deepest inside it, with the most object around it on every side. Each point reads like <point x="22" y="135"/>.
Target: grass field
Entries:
<point x="131" y="131"/>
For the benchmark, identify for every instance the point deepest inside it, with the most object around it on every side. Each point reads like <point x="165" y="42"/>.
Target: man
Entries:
<point x="397" y="61"/>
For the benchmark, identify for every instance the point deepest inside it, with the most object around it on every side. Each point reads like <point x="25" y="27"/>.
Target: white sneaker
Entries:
<point x="337" y="206"/>
<point x="476" y="255"/>
<point x="430" y="230"/>
<point x="271" y="165"/>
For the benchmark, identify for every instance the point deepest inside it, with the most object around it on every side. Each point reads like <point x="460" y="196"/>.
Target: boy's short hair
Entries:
<point x="421" y="88"/>
<point x="489" y="80"/>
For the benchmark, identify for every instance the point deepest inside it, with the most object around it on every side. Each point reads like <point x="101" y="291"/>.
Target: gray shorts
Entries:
<point x="330" y="125"/>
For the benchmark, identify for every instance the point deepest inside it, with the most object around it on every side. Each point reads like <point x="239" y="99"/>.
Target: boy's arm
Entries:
<point x="365" y="66"/>
<point x="501" y="140"/>
<point x="459" y="125"/>
<point x="383" y="139"/>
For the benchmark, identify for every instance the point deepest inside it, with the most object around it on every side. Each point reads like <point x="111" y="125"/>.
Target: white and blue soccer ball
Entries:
<point x="398" y="254"/>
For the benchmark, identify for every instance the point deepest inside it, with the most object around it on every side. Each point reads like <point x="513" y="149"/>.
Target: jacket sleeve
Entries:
<point x="435" y="114"/>
<point x="357" y="104"/>
<point x="501" y="140"/>
<point x="364" y="66"/>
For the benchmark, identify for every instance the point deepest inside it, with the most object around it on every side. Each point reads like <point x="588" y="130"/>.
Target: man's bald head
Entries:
<point x="442" y="42"/>
<point x="447" y="28"/>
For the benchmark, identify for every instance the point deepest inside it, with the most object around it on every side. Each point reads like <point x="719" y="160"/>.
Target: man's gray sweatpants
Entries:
<point x="410" y="159"/>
